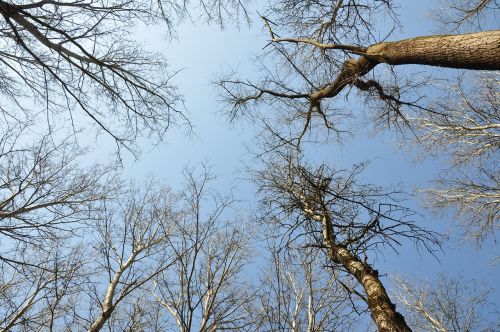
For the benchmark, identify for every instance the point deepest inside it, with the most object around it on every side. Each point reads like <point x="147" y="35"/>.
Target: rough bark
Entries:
<point x="473" y="51"/>
<point x="476" y="51"/>
<point x="382" y="310"/>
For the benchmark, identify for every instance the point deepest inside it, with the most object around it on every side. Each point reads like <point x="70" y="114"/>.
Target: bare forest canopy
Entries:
<point x="83" y="247"/>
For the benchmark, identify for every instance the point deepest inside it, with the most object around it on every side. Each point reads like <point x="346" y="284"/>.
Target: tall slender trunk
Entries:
<point x="383" y="311"/>
<point x="108" y="306"/>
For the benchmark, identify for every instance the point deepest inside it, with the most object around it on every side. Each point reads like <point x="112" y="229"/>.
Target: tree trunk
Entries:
<point x="382" y="310"/>
<point x="107" y="305"/>
<point x="479" y="51"/>
<point x="476" y="51"/>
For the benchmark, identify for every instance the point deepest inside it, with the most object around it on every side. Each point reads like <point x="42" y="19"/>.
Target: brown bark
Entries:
<point x="382" y="310"/>
<point x="477" y="51"/>
<point x="474" y="51"/>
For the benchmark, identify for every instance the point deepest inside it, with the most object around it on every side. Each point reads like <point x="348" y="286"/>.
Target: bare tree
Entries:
<point x="80" y="60"/>
<point x="206" y="290"/>
<point x="66" y="54"/>
<point x="447" y="304"/>
<point x="330" y="211"/>
<point x="82" y="253"/>
<point x="460" y="15"/>
<point x="335" y="48"/>
<point x="131" y="249"/>
<point x="298" y="294"/>
<point x="46" y="204"/>
<point x="78" y="280"/>
<point x="40" y="295"/>
<point x="44" y="196"/>
<point x="139" y="313"/>
<point x="328" y="58"/>
<point x="465" y="127"/>
<point x="148" y="253"/>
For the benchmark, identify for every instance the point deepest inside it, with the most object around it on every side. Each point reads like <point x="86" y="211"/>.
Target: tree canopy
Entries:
<point x="312" y="243"/>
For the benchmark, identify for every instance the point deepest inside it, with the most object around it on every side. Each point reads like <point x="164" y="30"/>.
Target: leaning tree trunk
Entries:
<point x="382" y="310"/>
<point x="107" y="305"/>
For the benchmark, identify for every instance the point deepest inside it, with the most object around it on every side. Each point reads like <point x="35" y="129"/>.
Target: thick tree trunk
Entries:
<point x="476" y="51"/>
<point x="479" y="51"/>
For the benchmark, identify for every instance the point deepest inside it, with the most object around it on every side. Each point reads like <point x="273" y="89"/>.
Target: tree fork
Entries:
<point x="476" y="51"/>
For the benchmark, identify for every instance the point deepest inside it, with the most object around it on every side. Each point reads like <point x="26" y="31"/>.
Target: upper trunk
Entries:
<point x="382" y="310"/>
